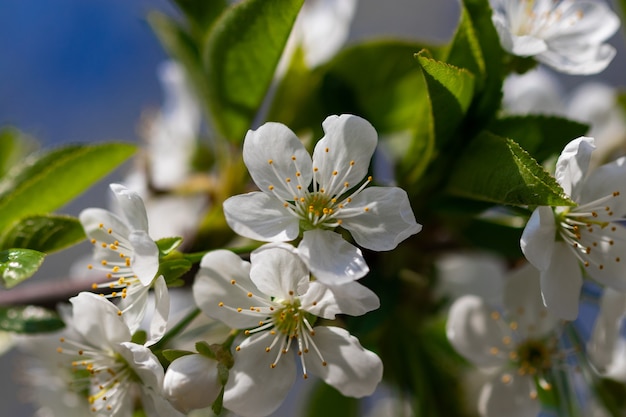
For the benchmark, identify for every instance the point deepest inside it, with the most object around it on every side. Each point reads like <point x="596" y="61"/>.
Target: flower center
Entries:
<point x="533" y="356"/>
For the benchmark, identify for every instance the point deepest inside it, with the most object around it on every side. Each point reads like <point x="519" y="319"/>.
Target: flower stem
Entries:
<point x="174" y="331"/>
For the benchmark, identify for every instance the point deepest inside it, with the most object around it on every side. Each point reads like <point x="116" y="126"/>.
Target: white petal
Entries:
<point x="579" y="61"/>
<point x="254" y="388"/>
<point x="351" y="369"/>
<point x="260" y="216"/>
<point x="145" y="261"/>
<point x="132" y="207"/>
<point x="278" y="271"/>
<point x="522" y="299"/>
<point x="158" y="324"/>
<point x="350" y="298"/>
<point x="527" y="45"/>
<point x="606" y="180"/>
<point x="155" y="404"/>
<point x="388" y="220"/>
<point x="606" y="330"/>
<point x="572" y="165"/>
<point x="134" y="306"/>
<point x="511" y="399"/>
<point x="191" y="382"/>
<point x="607" y="258"/>
<point x="213" y="286"/>
<point x="144" y="363"/>
<point x="595" y="23"/>
<point x="275" y="142"/>
<point x="347" y="148"/>
<point x="92" y="218"/>
<point x="330" y="258"/>
<point x="561" y="283"/>
<point x="537" y="242"/>
<point x="473" y="332"/>
<point x="97" y="320"/>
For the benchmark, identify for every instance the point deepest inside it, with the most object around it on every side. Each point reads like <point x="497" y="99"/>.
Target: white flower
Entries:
<point x="567" y="35"/>
<point x="520" y="343"/>
<point x="191" y="382"/>
<point x="123" y="248"/>
<point x="606" y="348"/>
<point x="316" y="196"/>
<point x="559" y="240"/>
<point x="116" y="368"/>
<point x="273" y="298"/>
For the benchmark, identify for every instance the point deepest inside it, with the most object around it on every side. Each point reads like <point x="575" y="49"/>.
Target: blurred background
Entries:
<point x="77" y="71"/>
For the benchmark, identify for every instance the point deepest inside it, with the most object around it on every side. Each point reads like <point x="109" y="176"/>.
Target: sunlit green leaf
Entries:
<point x="496" y="169"/>
<point x="17" y="264"/>
<point x="168" y="244"/>
<point x="241" y="56"/>
<point x="45" y="233"/>
<point x="201" y="13"/>
<point x="46" y="181"/>
<point x="172" y="269"/>
<point x="29" y="319"/>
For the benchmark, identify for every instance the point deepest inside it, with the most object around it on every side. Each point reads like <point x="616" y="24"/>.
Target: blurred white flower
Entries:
<point x="559" y="240"/>
<point x="124" y="249"/>
<point x="567" y="35"/>
<point x="316" y="196"/>
<point x="116" y="367"/>
<point x="273" y="298"/>
<point x="517" y="343"/>
<point x="607" y="347"/>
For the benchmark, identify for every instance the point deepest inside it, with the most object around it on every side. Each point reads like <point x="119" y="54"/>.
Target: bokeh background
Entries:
<point x="86" y="70"/>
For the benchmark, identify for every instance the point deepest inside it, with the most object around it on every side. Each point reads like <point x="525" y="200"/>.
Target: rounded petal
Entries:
<point x="273" y="154"/>
<point x="572" y="165"/>
<point x="473" y="330"/>
<point x="132" y="207"/>
<point x="606" y="330"/>
<point x="537" y="242"/>
<point x="98" y="320"/>
<point x="524" y="304"/>
<point x="217" y="296"/>
<point x="351" y="369"/>
<point x="510" y="396"/>
<point x="145" y="261"/>
<point x="578" y="60"/>
<point x="278" y="271"/>
<point x="607" y="180"/>
<point x="191" y="382"/>
<point x="561" y="283"/>
<point x="344" y="153"/>
<point x="158" y="324"/>
<point x="330" y="258"/>
<point x="606" y="259"/>
<point x="144" y="363"/>
<point x="380" y="218"/>
<point x="254" y="388"/>
<point x="350" y="298"/>
<point x="260" y="216"/>
<point x="595" y="23"/>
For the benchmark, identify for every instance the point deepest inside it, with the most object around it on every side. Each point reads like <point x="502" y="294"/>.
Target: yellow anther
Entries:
<point x="270" y="161"/>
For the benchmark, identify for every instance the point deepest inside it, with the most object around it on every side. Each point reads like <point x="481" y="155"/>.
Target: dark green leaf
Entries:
<point x="172" y="269"/>
<point x="29" y="319"/>
<point x="46" y="181"/>
<point x="168" y="244"/>
<point x="496" y="169"/>
<point x="46" y="233"/>
<point x="450" y="90"/>
<point x="218" y="404"/>
<point x="242" y="52"/>
<point x="328" y="402"/>
<point x="541" y="136"/>
<point x="16" y="265"/>
<point x="139" y="337"/>
<point x="201" y="14"/>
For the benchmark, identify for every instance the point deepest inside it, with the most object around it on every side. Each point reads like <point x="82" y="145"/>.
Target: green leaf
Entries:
<point x="29" y="319"/>
<point x="326" y="401"/>
<point x="496" y="169"/>
<point x="46" y="233"/>
<point x="13" y="146"/>
<point x="242" y="52"/>
<point x="172" y="354"/>
<point x="451" y="90"/>
<point x="204" y="349"/>
<point x="16" y="265"/>
<point x="47" y="181"/>
<point x="172" y="269"/>
<point x="168" y="244"/>
<point x="201" y="14"/>
<point x="541" y="136"/>
<point x="476" y="47"/>
<point x="139" y="337"/>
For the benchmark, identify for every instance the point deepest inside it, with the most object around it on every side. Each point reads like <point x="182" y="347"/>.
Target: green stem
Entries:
<point x="176" y="330"/>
